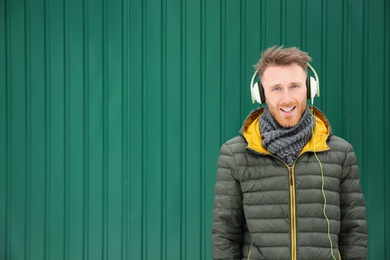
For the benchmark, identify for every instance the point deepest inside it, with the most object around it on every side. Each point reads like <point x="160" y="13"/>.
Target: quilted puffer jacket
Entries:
<point x="264" y="209"/>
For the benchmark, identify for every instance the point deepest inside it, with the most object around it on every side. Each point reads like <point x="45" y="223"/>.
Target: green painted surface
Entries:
<point x="112" y="113"/>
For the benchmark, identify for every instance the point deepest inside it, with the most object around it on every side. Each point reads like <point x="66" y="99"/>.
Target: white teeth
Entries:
<point x="287" y="109"/>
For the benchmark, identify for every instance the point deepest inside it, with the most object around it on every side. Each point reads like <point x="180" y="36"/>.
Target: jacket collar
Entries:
<point x="250" y="130"/>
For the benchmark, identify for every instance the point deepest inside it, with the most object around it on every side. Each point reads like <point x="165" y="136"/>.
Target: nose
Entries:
<point x="287" y="96"/>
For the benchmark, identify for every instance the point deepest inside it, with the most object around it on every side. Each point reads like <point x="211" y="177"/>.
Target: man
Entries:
<point x="286" y="187"/>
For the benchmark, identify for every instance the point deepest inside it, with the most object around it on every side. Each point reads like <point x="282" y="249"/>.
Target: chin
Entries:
<point x="287" y="123"/>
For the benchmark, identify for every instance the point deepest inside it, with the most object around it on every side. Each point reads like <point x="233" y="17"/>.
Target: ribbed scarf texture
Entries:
<point x="285" y="143"/>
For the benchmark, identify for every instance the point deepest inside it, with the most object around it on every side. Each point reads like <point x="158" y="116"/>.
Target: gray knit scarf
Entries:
<point x="285" y="143"/>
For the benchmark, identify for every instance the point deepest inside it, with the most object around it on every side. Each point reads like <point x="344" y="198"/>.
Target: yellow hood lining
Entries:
<point x="320" y="135"/>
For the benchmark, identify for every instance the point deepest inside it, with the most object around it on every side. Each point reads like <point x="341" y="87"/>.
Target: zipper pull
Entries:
<point x="290" y="175"/>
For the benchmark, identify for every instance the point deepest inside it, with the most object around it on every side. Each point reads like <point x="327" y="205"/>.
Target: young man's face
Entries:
<point x="285" y="93"/>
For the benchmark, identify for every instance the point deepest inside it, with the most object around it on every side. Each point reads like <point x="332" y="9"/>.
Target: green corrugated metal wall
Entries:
<point x="112" y="113"/>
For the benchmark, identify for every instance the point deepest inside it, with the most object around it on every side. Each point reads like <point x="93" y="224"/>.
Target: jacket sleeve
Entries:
<point x="228" y="219"/>
<point x="353" y="239"/>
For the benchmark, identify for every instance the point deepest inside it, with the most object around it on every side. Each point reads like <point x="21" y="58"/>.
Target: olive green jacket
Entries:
<point x="264" y="209"/>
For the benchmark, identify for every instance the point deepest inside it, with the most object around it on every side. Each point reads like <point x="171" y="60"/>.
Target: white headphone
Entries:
<point x="312" y="85"/>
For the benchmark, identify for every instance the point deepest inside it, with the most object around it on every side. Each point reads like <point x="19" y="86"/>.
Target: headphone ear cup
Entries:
<point x="308" y="88"/>
<point x="257" y="90"/>
<point x="262" y="95"/>
<point x="258" y="93"/>
<point x="313" y="86"/>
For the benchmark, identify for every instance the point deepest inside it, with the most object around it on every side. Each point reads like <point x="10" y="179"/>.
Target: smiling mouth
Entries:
<point x="288" y="109"/>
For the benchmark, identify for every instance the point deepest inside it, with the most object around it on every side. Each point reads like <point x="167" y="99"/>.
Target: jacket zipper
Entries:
<point x="293" y="217"/>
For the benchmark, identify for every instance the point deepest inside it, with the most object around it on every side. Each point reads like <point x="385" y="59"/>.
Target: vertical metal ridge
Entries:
<point x="105" y="131"/>
<point x="203" y="106"/>
<point x="243" y="51"/>
<point x="135" y="133"/>
<point x="164" y="131"/>
<point x="8" y="133"/>
<point x="346" y="64"/>
<point x="304" y="24"/>
<point x="223" y="65"/>
<point x="183" y="147"/>
<point x="386" y="97"/>
<point x="324" y="59"/>
<point x="183" y="126"/>
<point x="183" y="188"/>
<point x="125" y="131"/>
<point x="283" y="17"/>
<point x="47" y="129"/>
<point x="365" y="105"/>
<point x="386" y="117"/>
<point x="222" y="121"/>
<point x="144" y="105"/>
<point x="86" y="146"/>
<point x="27" y="199"/>
<point x="66" y="131"/>
<point x="263" y="23"/>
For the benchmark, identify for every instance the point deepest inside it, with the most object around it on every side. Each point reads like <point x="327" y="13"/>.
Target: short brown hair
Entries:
<point x="282" y="56"/>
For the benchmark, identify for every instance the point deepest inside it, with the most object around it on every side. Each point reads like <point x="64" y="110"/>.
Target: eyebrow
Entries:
<point x="295" y="83"/>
